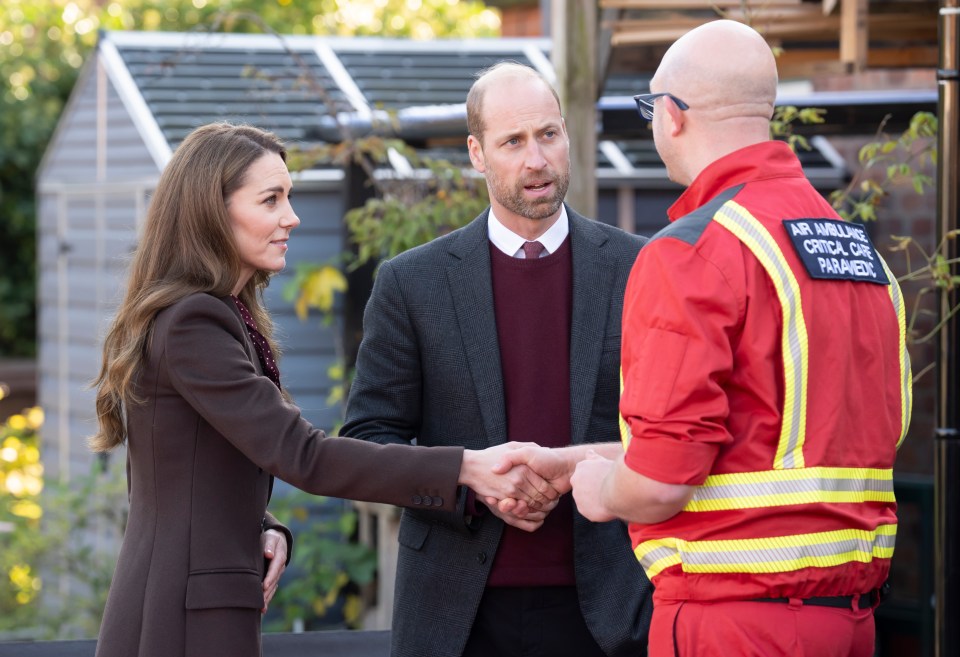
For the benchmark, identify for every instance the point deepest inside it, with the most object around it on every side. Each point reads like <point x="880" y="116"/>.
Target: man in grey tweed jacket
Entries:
<point x="430" y="370"/>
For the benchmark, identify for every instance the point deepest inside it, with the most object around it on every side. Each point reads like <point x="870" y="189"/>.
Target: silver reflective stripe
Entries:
<point x="751" y="232"/>
<point x="769" y="555"/>
<point x="906" y="375"/>
<point x="798" y="486"/>
<point x="792" y="553"/>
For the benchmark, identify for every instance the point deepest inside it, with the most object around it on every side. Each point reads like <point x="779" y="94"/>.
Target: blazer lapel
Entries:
<point x="471" y="288"/>
<point x="592" y="285"/>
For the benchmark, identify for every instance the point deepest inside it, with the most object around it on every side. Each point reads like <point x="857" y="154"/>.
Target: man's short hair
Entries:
<point x="475" y="124"/>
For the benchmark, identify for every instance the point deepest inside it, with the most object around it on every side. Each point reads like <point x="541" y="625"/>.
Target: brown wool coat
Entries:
<point x="202" y="450"/>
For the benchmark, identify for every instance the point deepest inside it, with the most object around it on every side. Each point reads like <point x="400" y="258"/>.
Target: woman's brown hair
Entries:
<point x="187" y="247"/>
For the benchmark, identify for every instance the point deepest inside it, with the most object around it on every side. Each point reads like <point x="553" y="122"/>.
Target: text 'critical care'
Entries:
<point x="834" y="249"/>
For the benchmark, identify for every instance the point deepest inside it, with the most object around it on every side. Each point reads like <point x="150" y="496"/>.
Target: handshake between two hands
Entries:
<point x="522" y="482"/>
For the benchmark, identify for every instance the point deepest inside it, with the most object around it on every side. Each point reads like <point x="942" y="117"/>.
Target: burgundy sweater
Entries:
<point x="533" y="302"/>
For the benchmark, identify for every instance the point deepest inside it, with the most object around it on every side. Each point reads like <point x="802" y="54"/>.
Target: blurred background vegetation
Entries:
<point x="54" y="578"/>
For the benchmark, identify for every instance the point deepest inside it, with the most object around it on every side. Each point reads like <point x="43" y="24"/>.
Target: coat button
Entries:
<point x="417" y="499"/>
<point x="427" y="500"/>
<point x="481" y="557"/>
<point x="437" y="501"/>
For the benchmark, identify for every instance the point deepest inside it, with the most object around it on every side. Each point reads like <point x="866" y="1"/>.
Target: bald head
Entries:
<point x="725" y="69"/>
<point x="500" y="75"/>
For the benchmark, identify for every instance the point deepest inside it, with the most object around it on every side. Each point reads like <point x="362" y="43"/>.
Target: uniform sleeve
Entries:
<point x="680" y="313"/>
<point x="209" y="367"/>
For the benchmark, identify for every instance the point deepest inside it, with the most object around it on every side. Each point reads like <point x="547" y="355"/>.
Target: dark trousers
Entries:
<point x="530" y="622"/>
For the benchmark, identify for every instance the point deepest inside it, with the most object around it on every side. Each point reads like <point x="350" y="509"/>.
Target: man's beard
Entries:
<point x="514" y="200"/>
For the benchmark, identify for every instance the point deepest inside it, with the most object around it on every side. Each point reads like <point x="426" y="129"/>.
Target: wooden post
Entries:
<point x="608" y="18"/>
<point x="853" y="34"/>
<point x="574" y="34"/>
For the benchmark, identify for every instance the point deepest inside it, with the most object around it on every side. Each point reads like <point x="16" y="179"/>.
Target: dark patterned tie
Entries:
<point x="264" y="353"/>
<point x="532" y="250"/>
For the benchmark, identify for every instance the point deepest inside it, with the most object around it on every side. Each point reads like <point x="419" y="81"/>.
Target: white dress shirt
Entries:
<point x="512" y="244"/>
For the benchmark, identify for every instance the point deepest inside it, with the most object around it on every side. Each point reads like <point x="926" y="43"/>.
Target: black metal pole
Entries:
<point x="947" y="434"/>
<point x="358" y="190"/>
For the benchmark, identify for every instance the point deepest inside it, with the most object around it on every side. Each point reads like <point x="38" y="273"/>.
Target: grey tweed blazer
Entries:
<point x="429" y="370"/>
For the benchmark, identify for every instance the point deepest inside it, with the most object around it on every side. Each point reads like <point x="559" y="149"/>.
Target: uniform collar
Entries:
<point x="769" y="159"/>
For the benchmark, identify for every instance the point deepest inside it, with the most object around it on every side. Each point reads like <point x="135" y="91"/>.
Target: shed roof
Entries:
<point x="289" y="84"/>
<point x="307" y="89"/>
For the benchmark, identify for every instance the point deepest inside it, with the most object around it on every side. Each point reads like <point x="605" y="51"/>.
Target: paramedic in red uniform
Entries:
<point x="766" y="383"/>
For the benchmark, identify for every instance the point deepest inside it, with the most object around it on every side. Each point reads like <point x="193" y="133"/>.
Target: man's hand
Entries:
<point x="554" y="465"/>
<point x="482" y="471"/>
<point x="530" y="521"/>
<point x="606" y="489"/>
<point x="275" y="550"/>
<point x="588" y="482"/>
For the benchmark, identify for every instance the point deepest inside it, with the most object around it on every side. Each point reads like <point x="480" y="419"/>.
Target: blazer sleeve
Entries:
<point x="385" y="404"/>
<point x="385" y="401"/>
<point x="202" y="344"/>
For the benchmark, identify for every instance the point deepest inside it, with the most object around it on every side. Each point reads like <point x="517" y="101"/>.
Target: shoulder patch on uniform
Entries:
<point x="690" y="227"/>
<point x="835" y="249"/>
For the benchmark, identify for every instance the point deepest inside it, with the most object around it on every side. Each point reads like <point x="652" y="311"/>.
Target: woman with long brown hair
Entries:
<point x="190" y="384"/>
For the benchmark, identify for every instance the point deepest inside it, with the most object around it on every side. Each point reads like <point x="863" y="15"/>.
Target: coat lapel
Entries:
<point x="592" y="286"/>
<point x="471" y="288"/>
<point x="247" y="340"/>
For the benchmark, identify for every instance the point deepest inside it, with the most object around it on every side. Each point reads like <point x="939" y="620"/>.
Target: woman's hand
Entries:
<point x="275" y="551"/>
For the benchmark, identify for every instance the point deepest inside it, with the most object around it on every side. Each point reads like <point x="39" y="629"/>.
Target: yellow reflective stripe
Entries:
<point x="657" y="555"/>
<point x="778" y="554"/>
<point x="738" y="220"/>
<point x="753" y="490"/>
<point x="906" y="376"/>
<point x="624" y="427"/>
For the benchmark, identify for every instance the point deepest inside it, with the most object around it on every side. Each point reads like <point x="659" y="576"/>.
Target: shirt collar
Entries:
<point x="510" y="243"/>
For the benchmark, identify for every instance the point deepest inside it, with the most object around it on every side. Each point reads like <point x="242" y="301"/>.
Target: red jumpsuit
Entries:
<point x="764" y="362"/>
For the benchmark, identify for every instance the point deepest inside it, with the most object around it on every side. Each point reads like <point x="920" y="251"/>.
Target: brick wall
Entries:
<point x="906" y="213"/>
<point x="907" y="78"/>
<point x="520" y="21"/>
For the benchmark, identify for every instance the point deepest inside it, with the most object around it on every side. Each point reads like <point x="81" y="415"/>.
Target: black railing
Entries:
<point x="905" y="620"/>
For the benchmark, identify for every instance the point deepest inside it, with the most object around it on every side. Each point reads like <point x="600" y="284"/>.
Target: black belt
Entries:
<point x="866" y="601"/>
